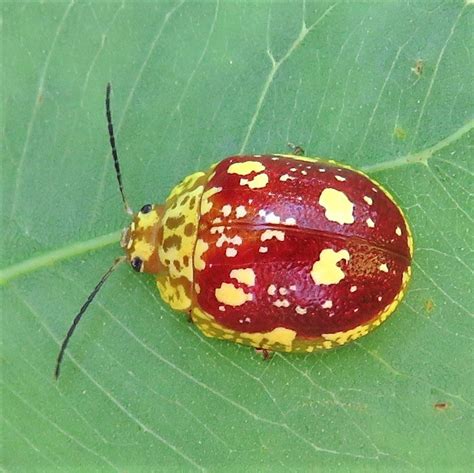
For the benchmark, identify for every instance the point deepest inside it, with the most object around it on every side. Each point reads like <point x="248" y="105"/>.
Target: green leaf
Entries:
<point x="384" y="87"/>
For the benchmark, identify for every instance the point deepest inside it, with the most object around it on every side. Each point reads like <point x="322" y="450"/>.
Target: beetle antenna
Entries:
<point x="114" y="150"/>
<point x="78" y="317"/>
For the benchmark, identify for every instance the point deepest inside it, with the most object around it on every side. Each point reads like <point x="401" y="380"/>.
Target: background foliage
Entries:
<point x="193" y="82"/>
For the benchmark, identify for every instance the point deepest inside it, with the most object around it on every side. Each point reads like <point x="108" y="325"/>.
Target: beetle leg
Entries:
<point x="297" y="150"/>
<point x="266" y="354"/>
<point x="189" y="316"/>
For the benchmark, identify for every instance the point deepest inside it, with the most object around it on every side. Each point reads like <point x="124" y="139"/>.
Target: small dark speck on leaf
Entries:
<point x="417" y="69"/>
<point x="441" y="406"/>
<point x="399" y="133"/>
<point x="429" y="305"/>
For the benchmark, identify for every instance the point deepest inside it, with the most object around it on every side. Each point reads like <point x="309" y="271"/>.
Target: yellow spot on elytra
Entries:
<point x="281" y="335"/>
<point x="406" y="276"/>
<point x="297" y="158"/>
<point x="343" y="337"/>
<point x="206" y="204"/>
<point x="383" y="267"/>
<point x="244" y="276"/>
<point x="282" y="303"/>
<point x="263" y="249"/>
<point x="201" y="248"/>
<point x="340" y="178"/>
<point x="278" y="336"/>
<point x="271" y="217"/>
<point x="301" y="310"/>
<point x="409" y="240"/>
<point x="230" y="252"/>
<point x="269" y="234"/>
<point x="337" y="205"/>
<point x="370" y="223"/>
<point x="219" y="229"/>
<point x="197" y="288"/>
<point x="286" y="177"/>
<point x="290" y="221"/>
<point x="226" y="210"/>
<point x="147" y="220"/>
<point x="368" y="199"/>
<point x="142" y="249"/>
<point x="353" y="288"/>
<point x="235" y="240"/>
<point x="325" y="270"/>
<point x="398" y="231"/>
<point x="230" y="295"/>
<point x="327" y="305"/>
<point x="245" y="168"/>
<point x="240" y="211"/>
<point x="283" y="291"/>
<point x="258" y="182"/>
<point x="271" y="291"/>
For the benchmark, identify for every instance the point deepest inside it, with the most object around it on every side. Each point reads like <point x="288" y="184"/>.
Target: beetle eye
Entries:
<point x="136" y="263"/>
<point x="146" y="208"/>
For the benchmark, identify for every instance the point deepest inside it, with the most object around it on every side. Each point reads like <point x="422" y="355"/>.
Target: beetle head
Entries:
<point x="142" y="238"/>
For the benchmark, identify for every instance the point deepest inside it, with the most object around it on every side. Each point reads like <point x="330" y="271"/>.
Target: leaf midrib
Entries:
<point x="49" y="258"/>
<point x="75" y="249"/>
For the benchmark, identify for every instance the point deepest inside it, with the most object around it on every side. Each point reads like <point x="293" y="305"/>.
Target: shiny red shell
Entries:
<point x="328" y="248"/>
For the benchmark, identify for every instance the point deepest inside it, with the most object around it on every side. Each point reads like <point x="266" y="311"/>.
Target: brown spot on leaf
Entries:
<point x="399" y="133"/>
<point x="429" y="305"/>
<point x="417" y="69"/>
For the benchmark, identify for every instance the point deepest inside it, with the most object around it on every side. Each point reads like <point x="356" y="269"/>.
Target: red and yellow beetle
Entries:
<point x="279" y="252"/>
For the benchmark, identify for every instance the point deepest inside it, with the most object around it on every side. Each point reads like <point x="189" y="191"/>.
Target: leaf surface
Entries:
<point x="381" y="87"/>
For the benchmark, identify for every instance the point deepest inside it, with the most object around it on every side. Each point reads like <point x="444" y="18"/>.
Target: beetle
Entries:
<point x="280" y="252"/>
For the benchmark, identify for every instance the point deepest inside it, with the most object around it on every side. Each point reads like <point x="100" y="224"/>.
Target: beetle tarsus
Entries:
<point x="297" y="150"/>
<point x="266" y="354"/>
